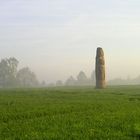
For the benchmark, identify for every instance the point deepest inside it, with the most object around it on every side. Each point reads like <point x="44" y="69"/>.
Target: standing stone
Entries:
<point x="100" y="69"/>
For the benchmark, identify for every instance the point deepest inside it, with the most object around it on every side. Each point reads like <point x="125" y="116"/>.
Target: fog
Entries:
<point x="58" y="38"/>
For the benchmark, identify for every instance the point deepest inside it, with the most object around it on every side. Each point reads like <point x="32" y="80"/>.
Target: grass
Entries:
<point x="70" y="113"/>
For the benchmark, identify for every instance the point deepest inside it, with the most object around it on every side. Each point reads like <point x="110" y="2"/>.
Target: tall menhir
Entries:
<point x="100" y="69"/>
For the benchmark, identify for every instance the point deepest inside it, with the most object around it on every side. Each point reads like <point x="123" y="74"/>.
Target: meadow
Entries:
<point x="70" y="113"/>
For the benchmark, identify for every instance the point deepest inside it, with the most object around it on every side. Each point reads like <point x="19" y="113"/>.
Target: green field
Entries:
<point x="76" y="113"/>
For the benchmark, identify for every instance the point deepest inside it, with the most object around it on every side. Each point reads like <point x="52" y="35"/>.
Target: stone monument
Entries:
<point x="100" y="69"/>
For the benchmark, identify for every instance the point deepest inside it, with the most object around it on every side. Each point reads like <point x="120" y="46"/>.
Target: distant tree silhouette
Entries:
<point x="26" y="78"/>
<point x="43" y="84"/>
<point x="70" y="81"/>
<point x="82" y="78"/>
<point x="59" y="83"/>
<point x="8" y="70"/>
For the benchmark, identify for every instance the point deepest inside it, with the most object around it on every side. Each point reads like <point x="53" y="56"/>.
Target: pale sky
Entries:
<point x="58" y="38"/>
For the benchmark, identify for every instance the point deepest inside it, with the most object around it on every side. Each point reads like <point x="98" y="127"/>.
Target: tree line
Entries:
<point x="80" y="80"/>
<point x="10" y="76"/>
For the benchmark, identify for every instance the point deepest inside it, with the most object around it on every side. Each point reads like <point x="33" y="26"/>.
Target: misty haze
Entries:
<point x="57" y="39"/>
<point x="69" y="70"/>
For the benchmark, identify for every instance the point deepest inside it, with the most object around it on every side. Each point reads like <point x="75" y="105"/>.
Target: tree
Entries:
<point x="59" y="83"/>
<point x="8" y="70"/>
<point x="27" y="78"/>
<point x="82" y="78"/>
<point x="70" y="81"/>
<point x="43" y="84"/>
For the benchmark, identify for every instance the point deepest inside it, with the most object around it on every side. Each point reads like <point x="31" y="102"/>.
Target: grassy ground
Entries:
<point x="81" y="113"/>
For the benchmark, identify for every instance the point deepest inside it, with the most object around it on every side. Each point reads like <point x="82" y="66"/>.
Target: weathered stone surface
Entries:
<point x="100" y="69"/>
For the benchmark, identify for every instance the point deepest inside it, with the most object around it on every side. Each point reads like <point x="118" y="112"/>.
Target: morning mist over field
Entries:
<point x="69" y="69"/>
<point x="58" y="38"/>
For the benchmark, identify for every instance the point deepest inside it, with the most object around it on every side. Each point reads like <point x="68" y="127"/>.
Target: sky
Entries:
<point x="59" y="38"/>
